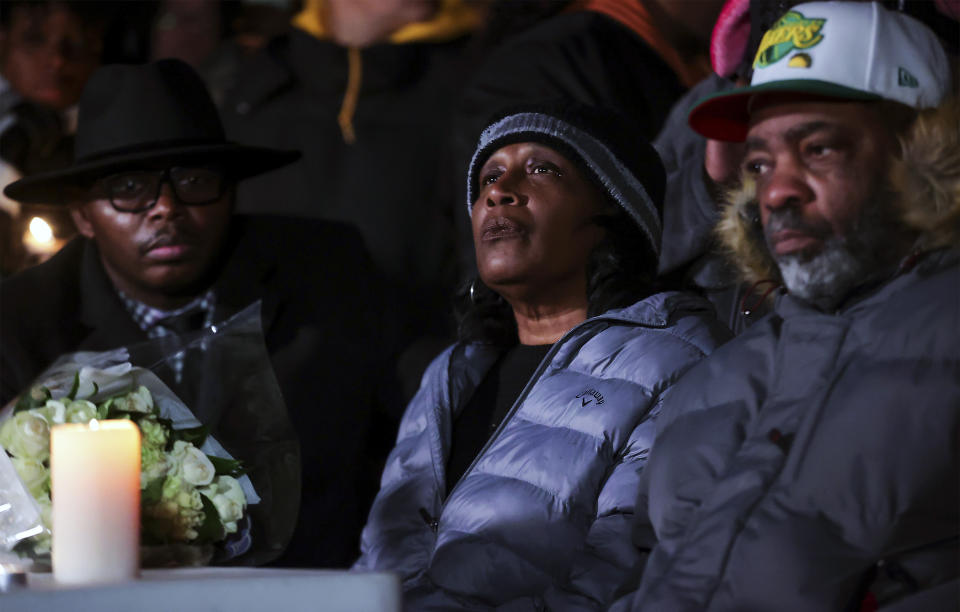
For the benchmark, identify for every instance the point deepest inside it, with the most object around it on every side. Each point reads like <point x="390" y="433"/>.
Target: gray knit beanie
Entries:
<point x="608" y="148"/>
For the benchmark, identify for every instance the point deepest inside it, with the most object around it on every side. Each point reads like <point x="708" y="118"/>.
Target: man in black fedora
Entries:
<point x="151" y="190"/>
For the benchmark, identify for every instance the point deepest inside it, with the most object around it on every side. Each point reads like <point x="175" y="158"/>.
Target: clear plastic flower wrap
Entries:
<point x="220" y="461"/>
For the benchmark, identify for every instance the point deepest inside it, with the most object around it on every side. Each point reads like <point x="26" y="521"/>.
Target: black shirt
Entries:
<point x="494" y="397"/>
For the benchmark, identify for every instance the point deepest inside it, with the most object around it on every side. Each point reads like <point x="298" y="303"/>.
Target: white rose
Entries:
<point x="26" y="435"/>
<point x="135" y="401"/>
<point x="80" y="411"/>
<point x="54" y="411"/>
<point x="191" y="464"/>
<point x="230" y="488"/>
<point x="228" y="498"/>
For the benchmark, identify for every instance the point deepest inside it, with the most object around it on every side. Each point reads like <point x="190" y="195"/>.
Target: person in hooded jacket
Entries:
<point x="362" y="87"/>
<point x="512" y="481"/>
<point x="812" y="463"/>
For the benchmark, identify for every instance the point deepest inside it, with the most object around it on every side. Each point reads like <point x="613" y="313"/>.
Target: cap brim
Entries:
<point x="240" y="162"/>
<point x="726" y="115"/>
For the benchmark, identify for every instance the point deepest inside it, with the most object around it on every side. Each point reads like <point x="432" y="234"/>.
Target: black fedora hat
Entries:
<point x="131" y="115"/>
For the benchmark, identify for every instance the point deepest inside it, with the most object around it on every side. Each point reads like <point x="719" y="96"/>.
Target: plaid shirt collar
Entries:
<point x="150" y="319"/>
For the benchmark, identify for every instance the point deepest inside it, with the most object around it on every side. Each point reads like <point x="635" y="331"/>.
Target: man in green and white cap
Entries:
<point x="813" y="462"/>
<point x="839" y="73"/>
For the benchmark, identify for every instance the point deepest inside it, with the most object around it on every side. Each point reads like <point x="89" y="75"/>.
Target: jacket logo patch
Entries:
<point x="593" y="395"/>
<point x="793" y="31"/>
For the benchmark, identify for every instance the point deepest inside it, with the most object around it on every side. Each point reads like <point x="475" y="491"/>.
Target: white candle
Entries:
<point x="95" y="490"/>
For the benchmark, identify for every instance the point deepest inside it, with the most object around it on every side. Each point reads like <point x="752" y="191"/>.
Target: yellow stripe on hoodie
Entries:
<point x="452" y="20"/>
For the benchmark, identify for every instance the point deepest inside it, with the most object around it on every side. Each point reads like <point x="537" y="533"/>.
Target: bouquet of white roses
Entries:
<point x="198" y="504"/>
<point x="187" y="495"/>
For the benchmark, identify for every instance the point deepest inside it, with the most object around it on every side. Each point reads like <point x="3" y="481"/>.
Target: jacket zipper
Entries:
<point x="431" y="521"/>
<point x="434" y="522"/>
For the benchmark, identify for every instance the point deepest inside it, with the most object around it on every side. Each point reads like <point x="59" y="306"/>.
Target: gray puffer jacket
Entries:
<point x="814" y="462"/>
<point x="542" y="517"/>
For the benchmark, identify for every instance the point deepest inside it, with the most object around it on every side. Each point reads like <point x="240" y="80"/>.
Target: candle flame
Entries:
<point x="94" y="424"/>
<point x="41" y="231"/>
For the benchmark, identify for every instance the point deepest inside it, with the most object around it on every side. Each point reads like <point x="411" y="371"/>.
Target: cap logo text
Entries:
<point x="905" y="79"/>
<point x="792" y="31"/>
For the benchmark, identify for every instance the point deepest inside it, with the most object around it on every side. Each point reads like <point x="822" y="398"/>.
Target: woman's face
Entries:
<point x="533" y="223"/>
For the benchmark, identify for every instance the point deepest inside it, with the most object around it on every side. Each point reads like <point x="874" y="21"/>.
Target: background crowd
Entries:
<point x="385" y="100"/>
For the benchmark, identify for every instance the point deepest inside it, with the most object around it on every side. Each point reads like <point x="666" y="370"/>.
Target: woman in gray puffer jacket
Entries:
<point x="514" y="476"/>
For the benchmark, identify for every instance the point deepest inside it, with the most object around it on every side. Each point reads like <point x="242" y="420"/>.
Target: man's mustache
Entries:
<point x="790" y="219"/>
<point x="168" y="235"/>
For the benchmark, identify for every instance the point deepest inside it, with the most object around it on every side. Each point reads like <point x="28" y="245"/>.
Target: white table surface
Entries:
<point x="215" y="589"/>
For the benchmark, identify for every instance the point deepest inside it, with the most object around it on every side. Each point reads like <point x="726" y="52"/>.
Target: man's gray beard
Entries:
<point x="868" y="250"/>
<point x="827" y="277"/>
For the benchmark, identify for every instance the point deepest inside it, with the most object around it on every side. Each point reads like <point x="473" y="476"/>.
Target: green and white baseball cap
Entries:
<point x="846" y="50"/>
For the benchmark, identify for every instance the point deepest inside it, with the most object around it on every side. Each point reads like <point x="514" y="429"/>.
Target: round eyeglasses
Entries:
<point x="137" y="191"/>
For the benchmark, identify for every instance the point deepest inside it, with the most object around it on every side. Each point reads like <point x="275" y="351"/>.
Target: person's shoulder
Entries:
<point x="52" y="281"/>
<point x="262" y="75"/>
<point x="309" y="256"/>
<point x="722" y="374"/>
<point x="265" y="223"/>
<point x="936" y="276"/>
<point x="573" y="25"/>
<point x="682" y="315"/>
<point x="38" y="306"/>
<point x="919" y="312"/>
<point x="576" y="40"/>
<point x="439" y="368"/>
<point x="653" y="341"/>
<point x="299" y="234"/>
<point x="939" y="277"/>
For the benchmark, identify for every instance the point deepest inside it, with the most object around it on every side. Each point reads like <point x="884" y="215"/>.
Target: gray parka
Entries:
<point x="812" y="463"/>
<point x="543" y="515"/>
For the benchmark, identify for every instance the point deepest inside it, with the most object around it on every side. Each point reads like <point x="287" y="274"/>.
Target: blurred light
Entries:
<point x="41" y="231"/>
<point x="38" y="239"/>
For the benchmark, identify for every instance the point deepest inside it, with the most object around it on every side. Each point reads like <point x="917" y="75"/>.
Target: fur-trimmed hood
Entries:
<point x="926" y="180"/>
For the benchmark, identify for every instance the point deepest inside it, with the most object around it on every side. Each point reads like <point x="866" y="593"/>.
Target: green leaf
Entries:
<point x="118" y="395"/>
<point x="76" y="386"/>
<point x="104" y="409"/>
<point x="24" y="402"/>
<point x="153" y="492"/>
<point x="212" y="529"/>
<point x="193" y="435"/>
<point x="118" y="413"/>
<point x="227" y="467"/>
